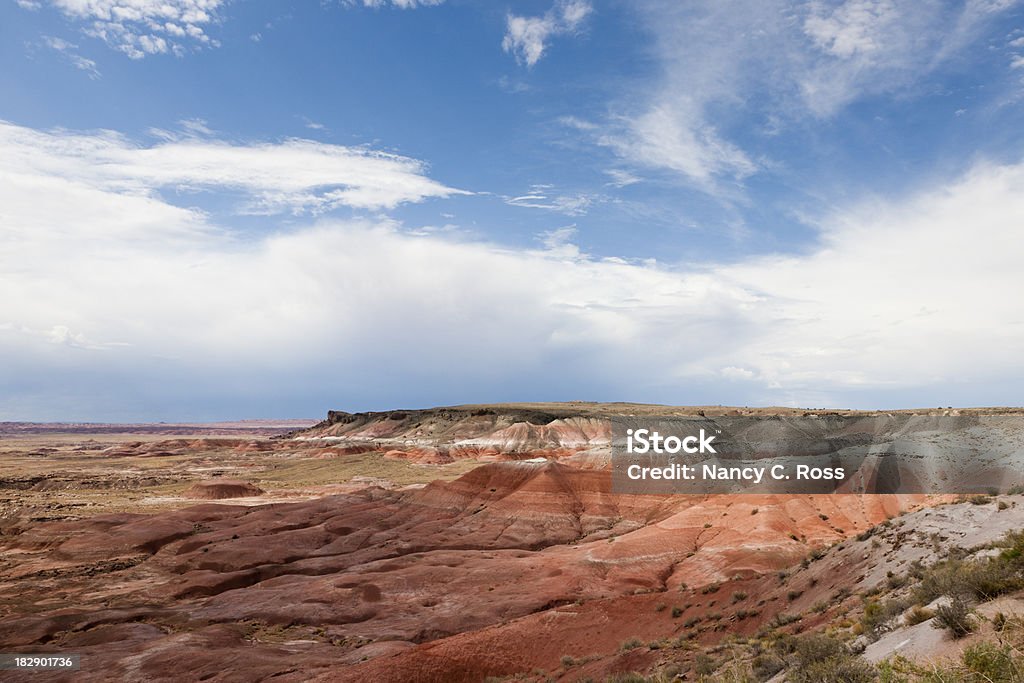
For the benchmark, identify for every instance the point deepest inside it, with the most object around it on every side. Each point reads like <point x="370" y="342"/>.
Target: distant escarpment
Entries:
<point x="937" y="443"/>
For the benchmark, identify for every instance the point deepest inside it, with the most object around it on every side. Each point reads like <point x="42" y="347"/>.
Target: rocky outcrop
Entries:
<point x="218" y="489"/>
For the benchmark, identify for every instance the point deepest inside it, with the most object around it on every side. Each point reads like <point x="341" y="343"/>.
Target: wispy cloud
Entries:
<point x="621" y="178"/>
<point x="559" y="242"/>
<point x="294" y="175"/>
<point x="527" y="37"/>
<point x="778" y="61"/>
<point x="69" y="51"/>
<point x="401" y="4"/>
<point x="548" y="198"/>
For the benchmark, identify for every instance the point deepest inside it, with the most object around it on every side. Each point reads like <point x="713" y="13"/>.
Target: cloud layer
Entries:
<point x="145" y="309"/>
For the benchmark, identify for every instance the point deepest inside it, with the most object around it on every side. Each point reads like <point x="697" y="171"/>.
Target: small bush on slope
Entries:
<point x="980" y="663"/>
<point x="954" y="616"/>
<point x="821" y="659"/>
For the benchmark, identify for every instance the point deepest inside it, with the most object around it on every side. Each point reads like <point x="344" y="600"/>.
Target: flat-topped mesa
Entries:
<point x="498" y="428"/>
<point x="517" y="427"/>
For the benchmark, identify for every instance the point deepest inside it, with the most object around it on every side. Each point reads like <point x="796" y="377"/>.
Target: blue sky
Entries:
<point x="216" y="209"/>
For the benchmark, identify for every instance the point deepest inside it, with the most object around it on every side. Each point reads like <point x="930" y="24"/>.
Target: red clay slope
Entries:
<point x="501" y="571"/>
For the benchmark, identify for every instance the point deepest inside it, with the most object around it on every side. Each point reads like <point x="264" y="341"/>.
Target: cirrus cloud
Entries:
<point x="781" y="62"/>
<point x="293" y="175"/>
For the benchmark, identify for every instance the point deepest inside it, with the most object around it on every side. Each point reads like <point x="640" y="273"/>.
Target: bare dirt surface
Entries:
<point x="396" y="561"/>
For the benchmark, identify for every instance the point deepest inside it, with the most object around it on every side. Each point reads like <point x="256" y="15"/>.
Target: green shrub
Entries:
<point x="878" y="614"/>
<point x="998" y="622"/>
<point x="782" y="619"/>
<point x="993" y="662"/>
<point x="848" y="669"/>
<point x="631" y="644"/>
<point x="982" y="579"/>
<point x="984" y="662"/>
<point x="631" y="677"/>
<point x="821" y="659"/>
<point x="955" y="616"/>
<point x="703" y="665"/>
<point x="766" y="665"/>
<point x="895" y="581"/>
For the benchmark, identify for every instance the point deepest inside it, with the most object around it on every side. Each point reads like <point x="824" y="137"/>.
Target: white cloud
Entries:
<point x="898" y="294"/>
<point x="527" y="37"/>
<point x="106" y="282"/>
<point x="852" y="28"/>
<point x="68" y="50"/>
<point x="673" y="135"/>
<point x="401" y="4"/>
<point x="294" y="175"/>
<point x="149" y="27"/>
<point x="733" y="373"/>
<point x="558" y="242"/>
<point x="779" y="61"/>
<point x="85" y="64"/>
<point x="545" y="197"/>
<point x="621" y="178"/>
<point x="196" y="128"/>
<point x="58" y="44"/>
<point x="142" y="27"/>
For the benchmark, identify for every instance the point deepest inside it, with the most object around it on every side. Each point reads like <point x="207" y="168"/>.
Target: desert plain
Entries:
<point x="460" y="544"/>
